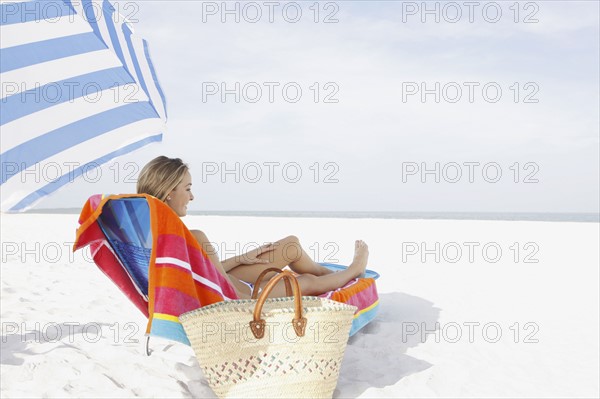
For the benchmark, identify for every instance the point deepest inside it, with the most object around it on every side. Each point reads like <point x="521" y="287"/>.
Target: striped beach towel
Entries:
<point x="180" y="276"/>
<point x="77" y="89"/>
<point x="359" y="292"/>
<point x="362" y="293"/>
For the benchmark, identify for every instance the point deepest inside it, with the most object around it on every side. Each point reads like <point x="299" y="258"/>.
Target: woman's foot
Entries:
<point x="361" y="256"/>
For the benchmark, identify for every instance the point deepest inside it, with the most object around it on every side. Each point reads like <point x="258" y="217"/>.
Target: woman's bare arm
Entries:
<point x="230" y="263"/>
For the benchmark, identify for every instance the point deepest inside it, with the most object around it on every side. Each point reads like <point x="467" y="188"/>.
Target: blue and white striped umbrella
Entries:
<point x="77" y="90"/>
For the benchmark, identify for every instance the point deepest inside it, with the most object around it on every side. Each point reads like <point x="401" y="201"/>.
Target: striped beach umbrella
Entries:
<point x="77" y="90"/>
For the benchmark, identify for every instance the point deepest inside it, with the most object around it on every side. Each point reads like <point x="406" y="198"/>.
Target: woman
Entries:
<point x="169" y="180"/>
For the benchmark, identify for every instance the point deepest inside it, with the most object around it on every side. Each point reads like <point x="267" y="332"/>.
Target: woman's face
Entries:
<point x="181" y="195"/>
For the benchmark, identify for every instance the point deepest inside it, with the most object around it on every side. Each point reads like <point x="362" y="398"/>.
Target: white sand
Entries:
<point x="559" y="296"/>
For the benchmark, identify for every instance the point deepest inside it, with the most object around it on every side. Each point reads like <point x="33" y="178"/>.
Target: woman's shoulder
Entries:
<point x="199" y="234"/>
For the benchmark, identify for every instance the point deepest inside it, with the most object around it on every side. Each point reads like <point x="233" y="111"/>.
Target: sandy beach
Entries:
<point x="468" y="309"/>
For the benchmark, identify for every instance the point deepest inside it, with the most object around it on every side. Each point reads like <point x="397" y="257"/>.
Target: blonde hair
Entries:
<point x="160" y="176"/>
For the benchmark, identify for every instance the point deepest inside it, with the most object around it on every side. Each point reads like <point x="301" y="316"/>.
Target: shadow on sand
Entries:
<point x="376" y="356"/>
<point x="18" y="342"/>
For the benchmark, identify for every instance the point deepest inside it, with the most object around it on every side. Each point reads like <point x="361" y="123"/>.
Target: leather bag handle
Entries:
<point x="288" y="286"/>
<point x="257" y="325"/>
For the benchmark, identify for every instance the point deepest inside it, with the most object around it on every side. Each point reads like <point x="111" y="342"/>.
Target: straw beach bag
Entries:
<point x="271" y="347"/>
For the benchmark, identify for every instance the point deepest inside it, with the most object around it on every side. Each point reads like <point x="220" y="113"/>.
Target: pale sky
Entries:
<point x="372" y="145"/>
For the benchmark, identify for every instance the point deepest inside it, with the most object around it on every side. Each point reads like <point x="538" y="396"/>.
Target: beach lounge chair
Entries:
<point x="148" y="252"/>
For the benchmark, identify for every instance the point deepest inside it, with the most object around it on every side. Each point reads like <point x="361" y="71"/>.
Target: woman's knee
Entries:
<point x="291" y="239"/>
<point x="290" y="248"/>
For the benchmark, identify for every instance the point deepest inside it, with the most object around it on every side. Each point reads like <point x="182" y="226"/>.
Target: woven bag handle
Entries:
<point x="257" y="325"/>
<point x="288" y="286"/>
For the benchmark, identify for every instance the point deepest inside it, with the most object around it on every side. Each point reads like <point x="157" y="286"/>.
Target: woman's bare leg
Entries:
<point x="309" y="284"/>
<point x="288" y="251"/>
<point x="317" y="285"/>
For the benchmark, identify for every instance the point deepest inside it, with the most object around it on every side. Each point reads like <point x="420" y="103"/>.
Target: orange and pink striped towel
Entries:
<point x="180" y="275"/>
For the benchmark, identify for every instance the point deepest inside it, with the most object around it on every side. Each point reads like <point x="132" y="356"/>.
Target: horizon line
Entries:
<point x="593" y="217"/>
